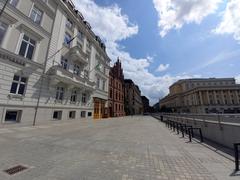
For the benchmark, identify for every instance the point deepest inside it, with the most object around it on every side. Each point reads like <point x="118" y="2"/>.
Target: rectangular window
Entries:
<point x="80" y="36"/>
<point x="27" y="47"/>
<point x="69" y="24"/>
<point x="57" y="115"/>
<point x="64" y="63"/>
<point x="84" y="98"/>
<point x="36" y="15"/>
<point x="18" y="85"/>
<point x="73" y="96"/>
<point x="83" y="114"/>
<point x="3" y="29"/>
<point x="103" y="85"/>
<point x="98" y="83"/>
<point x="67" y="39"/>
<point x="13" y="2"/>
<point x="76" y="69"/>
<point x="59" y="93"/>
<point x="89" y="114"/>
<point x="72" y="115"/>
<point x="13" y="116"/>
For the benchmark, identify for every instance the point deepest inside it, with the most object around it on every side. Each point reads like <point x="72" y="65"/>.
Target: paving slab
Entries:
<point x="129" y="148"/>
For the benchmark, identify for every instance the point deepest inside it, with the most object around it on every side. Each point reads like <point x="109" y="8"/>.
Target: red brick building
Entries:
<point x="116" y="91"/>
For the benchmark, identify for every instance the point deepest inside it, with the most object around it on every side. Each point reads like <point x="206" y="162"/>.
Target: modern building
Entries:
<point x="116" y="90"/>
<point x="52" y="66"/>
<point x="145" y="102"/>
<point x="212" y="95"/>
<point x="133" y="101"/>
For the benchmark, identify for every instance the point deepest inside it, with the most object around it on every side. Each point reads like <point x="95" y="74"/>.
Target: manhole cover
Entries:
<point x="15" y="169"/>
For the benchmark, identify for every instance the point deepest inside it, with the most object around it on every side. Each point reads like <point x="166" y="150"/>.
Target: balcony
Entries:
<point x="77" y="54"/>
<point x="58" y="74"/>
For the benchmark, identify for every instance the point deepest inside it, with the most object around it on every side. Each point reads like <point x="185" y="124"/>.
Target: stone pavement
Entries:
<point x="129" y="148"/>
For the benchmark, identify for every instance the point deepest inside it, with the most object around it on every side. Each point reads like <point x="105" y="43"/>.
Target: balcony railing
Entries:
<point x="59" y="74"/>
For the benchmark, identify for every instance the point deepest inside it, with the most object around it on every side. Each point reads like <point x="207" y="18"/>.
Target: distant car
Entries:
<point x="146" y="114"/>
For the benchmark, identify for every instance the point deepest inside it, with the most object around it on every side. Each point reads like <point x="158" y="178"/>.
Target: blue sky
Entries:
<point x="161" y="41"/>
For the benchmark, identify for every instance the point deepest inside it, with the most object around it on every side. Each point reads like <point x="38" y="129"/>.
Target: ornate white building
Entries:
<point x="52" y="65"/>
<point x="212" y="95"/>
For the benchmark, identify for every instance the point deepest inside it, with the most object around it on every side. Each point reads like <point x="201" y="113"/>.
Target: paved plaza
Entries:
<point x="129" y="148"/>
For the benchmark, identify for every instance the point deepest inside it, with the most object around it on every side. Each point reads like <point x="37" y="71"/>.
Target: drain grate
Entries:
<point x="15" y="169"/>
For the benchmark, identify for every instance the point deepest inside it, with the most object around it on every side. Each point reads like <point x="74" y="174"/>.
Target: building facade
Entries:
<point x="146" y="106"/>
<point x="213" y="95"/>
<point x="52" y="65"/>
<point x="116" y="90"/>
<point x="133" y="100"/>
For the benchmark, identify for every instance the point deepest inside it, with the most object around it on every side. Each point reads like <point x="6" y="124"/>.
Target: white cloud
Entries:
<point x="113" y="26"/>
<point x="221" y="57"/>
<point x="230" y="23"/>
<point x="173" y="14"/>
<point x="162" y="67"/>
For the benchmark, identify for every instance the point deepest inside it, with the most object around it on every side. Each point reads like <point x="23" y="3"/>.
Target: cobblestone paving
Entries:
<point x="129" y="148"/>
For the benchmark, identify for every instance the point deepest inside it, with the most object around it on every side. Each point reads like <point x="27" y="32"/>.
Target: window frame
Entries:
<point x="73" y="98"/>
<point x="38" y="13"/>
<point x="2" y="24"/>
<point x="29" y="44"/>
<point x="60" y="90"/>
<point x="19" y="82"/>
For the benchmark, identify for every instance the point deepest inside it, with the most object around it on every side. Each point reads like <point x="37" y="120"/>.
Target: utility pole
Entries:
<point x="4" y="6"/>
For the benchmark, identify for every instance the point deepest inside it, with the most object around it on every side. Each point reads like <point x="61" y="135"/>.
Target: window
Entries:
<point x="64" y="63"/>
<point x="80" y="36"/>
<point x="13" y="116"/>
<point x="13" y="2"/>
<point x="57" y="115"/>
<point x="3" y="29"/>
<point x="36" y="15"/>
<point x="69" y="24"/>
<point x="103" y="85"/>
<point x="27" y="47"/>
<point x="84" y="98"/>
<point x="89" y="114"/>
<point x="83" y="113"/>
<point x="73" y="96"/>
<point x="72" y="114"/>
<point x="67" y="39"/>
<point x="98" y="83"/>
<point x="76" y="69"/>
<point x="18" y="85"/>
<point x="59" y="93"/>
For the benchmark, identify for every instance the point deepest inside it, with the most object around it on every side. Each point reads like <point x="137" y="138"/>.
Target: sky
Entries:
<point x="162" y="41"/>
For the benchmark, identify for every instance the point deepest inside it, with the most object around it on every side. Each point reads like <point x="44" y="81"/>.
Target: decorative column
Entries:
<point x="201" y="100"/>
<point x="215" y="97"/>
<point x="208" y="101"/>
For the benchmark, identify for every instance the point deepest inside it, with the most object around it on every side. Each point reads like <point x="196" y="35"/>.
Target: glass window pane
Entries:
<point x="30" y="52"/>
<point x="23" y="79"/>
<point x="3" y="29"/>
<point x="25" y="38"/>
<point x="23" y="48"/>
<point x="14" y="88"/>
<point x="13" y="2"/>
<point x="21" y="89"/>
<point x="32" y="41"/>
<point x="16" y="78"/>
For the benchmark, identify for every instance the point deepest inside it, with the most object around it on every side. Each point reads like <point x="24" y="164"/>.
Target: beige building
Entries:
<point x="52" y="65"/>
<point x="213" y="95"/>
<point x="132" y="98"/>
